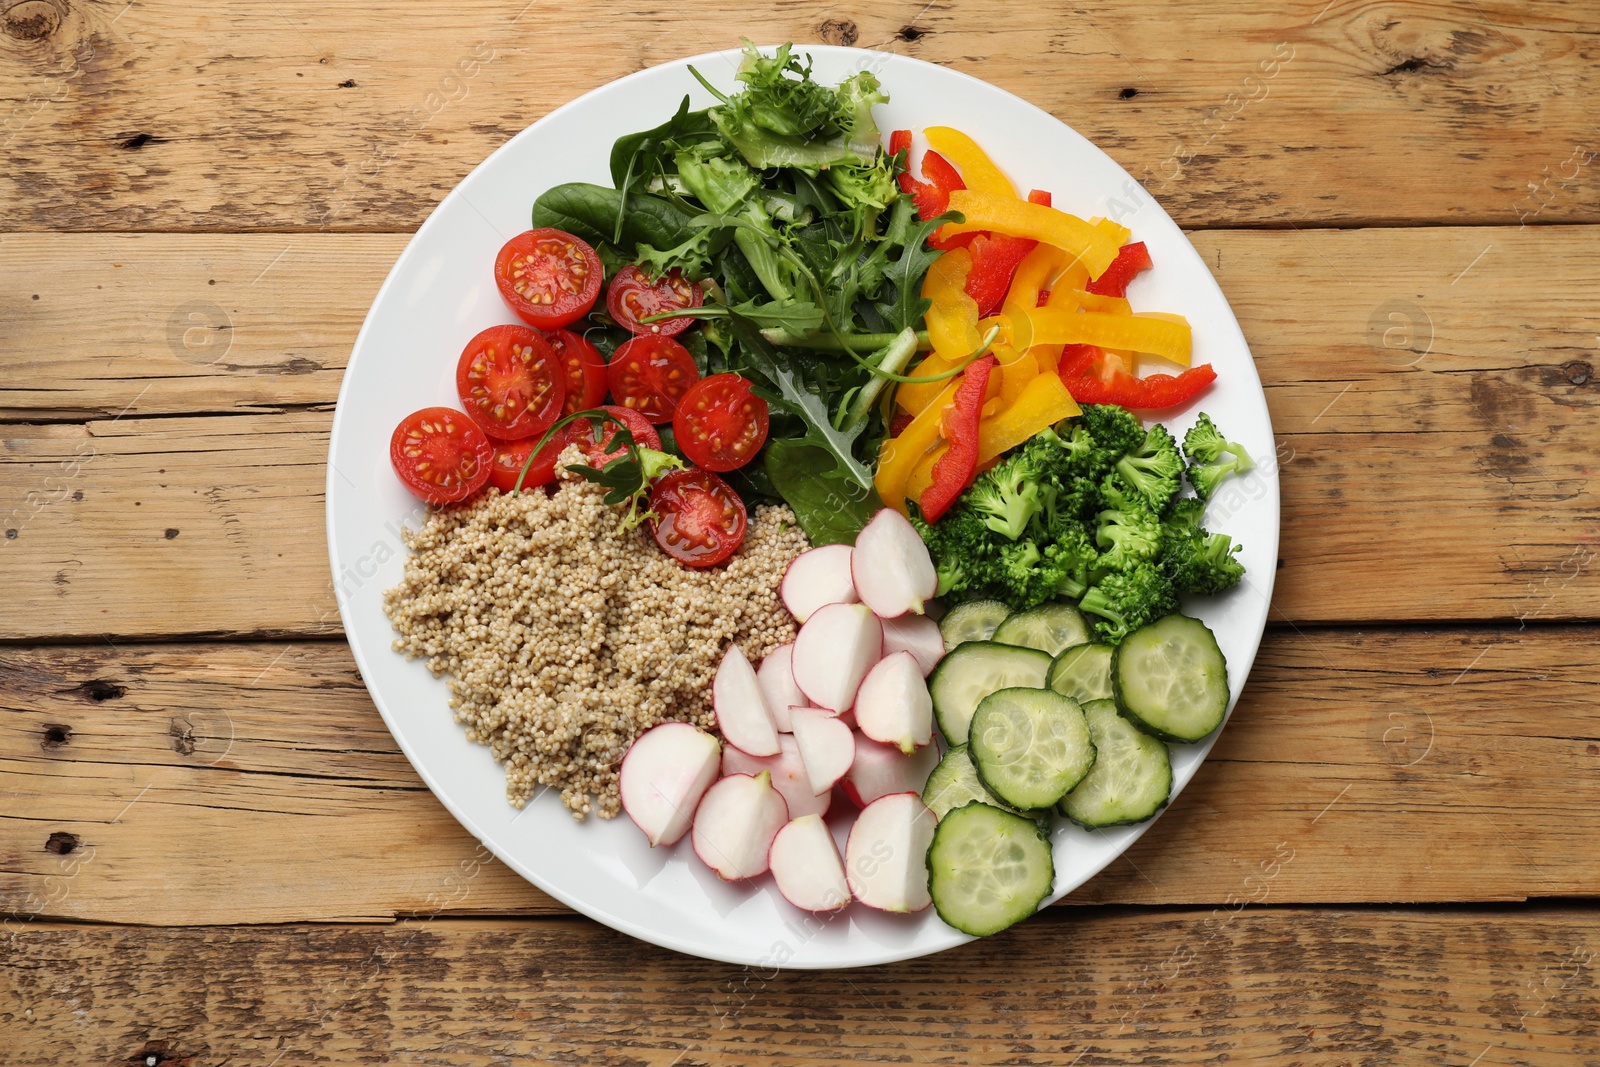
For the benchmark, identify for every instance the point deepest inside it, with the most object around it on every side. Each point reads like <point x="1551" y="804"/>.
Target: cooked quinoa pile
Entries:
<point x="565" y="638"/>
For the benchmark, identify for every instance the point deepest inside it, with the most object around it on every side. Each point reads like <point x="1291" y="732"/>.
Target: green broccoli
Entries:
<point x="1212" y="457"/>
<point x="1127" y="531"/>
<point x="1068" y="561"/>
<point x="1154" y="468"/>
<point x="1008" y="496"/>
<point x="1196" y="561"/>
<point x="1114" y="432"/>
<point x="1125" y="601"/>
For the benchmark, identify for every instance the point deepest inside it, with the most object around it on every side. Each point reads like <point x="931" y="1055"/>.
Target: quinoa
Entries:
<point x="564" y="637"/>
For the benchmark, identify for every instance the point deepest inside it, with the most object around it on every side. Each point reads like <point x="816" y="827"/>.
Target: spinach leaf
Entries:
<point x="637" y="151"/>
<point x="830" y="507"/>
<point x="590" y="212"/>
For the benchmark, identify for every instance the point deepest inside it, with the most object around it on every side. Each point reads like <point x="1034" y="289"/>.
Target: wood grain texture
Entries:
<point x="1357" y="988"/>
<point x="223" y="783"/>
<point x="291" y="115"/>
<point x="1475" y="418"/>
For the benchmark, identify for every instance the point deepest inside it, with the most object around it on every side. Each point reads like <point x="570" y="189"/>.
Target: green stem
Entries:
<point x="825" y="343"/>
<point x="596" y="418"/>
<point x="894" y="357"/>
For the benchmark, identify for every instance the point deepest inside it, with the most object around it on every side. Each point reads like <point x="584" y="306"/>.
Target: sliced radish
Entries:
<point x="879" y="770"/>
<point x="789" y="776"/>
<point x="827" y="747"/>
<point x="735" y="824"/>
<point x="741" y="709"/>
<point x="833" y="652"/>
<point x="886" y="856"/>
<point x="805" y="864"/>
<point x="816" y="577"/>
<point x="918" y="635"/>
<point x="776" y="675"/>
<point x="890" y="566"/>
<point x="665" y="773"/>
<point x="893" y="705"/>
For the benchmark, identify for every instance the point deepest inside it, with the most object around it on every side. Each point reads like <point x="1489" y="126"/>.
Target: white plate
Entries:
<point x="441" y="292"/>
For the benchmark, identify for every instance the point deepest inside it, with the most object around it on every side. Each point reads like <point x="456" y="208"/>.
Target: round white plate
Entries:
<point x="441" y="292"/>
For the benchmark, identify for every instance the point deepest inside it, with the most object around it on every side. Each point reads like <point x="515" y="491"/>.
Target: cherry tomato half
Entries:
<point x="510" y="456"/>
<point x="510" y="382"/>
<point x="720" y="424"/>
<point x="632" y="296"/>
<point x="585" y="370"/>
<point x="548" y="277"/>
<point x="700" y="519"/>
<point x="598" y="454"/>
<point x="650" y="375"/>
<point x="440" y="455"/>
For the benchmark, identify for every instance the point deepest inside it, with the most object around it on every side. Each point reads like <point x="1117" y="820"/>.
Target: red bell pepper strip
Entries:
<point x="995" y="258"/>
<point x="956" y="469"/>
<point x="1087" y="380"/>
<point x="932" y="193"/>
<point x="1131" y="259"/>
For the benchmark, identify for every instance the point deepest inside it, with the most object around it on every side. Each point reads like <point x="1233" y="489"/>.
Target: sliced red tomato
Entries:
<point x="440" y="455"/>
<point x="510" y="456"/>
<point x="699" y="520"/>
<point x="599" y="453"/>
<point x="633" y="295"/>
<point x="585" y="368"/>
<point x="548" y="277"/>
<point x="650" y="375"/>
<point x="720" y="424"/>
<point x="510" y="382"/>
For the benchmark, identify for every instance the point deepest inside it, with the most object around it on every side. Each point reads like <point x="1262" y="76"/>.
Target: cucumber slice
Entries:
<point x="1030" y="746"/>
<point x="973" y="621"/>
<point x="1050" y="628"/>
<point x="1171" y="679"/>
<point x="954" y="784"/>
<point x="1082" y="672"/>
<point x="971" y="671"/>
<point x="988" y="869"/>
<point x="1132" y="774"/>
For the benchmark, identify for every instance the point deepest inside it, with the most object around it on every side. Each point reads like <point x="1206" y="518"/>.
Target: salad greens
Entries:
<point x="780" y="201"/>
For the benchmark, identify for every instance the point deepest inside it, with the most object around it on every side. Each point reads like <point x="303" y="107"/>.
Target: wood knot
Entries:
<point x="100" y="690"/>
<point x="182" y="732"/>
<point x="839" y="31"/>
<point x="1578" y="372"/>
<point x="62" y="843"/>
<point x="31" y="20"/>
<point x="911" y="33"/>
<point x="1129" y="93"/>
<point x="56" y="734"/>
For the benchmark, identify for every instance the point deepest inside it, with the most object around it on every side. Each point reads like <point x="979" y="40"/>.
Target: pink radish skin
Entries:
<point x="891" y="568"/>
<point x="893" y="705"/>
<point x="918" y="635"/>
<point x="776" y="676"/>
<point x="816" y="577"/>
<point x="880" y="770"/>
<point x="789" y="776"/>
<point x="742" y="714"/>
<point x="805" y="863"/>
<point x="886" y="856"/>
<point x="735" y="824"/>
<point x="667" y="770"/>
<point x="827" y="747"/>
<point x="833" y="652"/>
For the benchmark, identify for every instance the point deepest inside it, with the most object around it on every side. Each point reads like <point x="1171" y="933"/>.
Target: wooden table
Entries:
<point x="211" y="850"/>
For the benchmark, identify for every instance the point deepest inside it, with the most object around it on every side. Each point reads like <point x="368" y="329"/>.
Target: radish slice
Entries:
<point x="789" y="775"/>
<point x="735" y="824"/>
<point x="805" y="864"/>
<point x="741" y="709"/>
<point x="890" y="566"/>
<point x="916" y="634"/>
<point x="776" y="675"/>
<point x="833" y="652"/>
<point x="665" y="773"/>
<point x="893" y="706"/>
<point x="827" y="747"/>
<point x="816" y="577"/>
<point x="879" y="770"/>
<point x="886" y="856"/>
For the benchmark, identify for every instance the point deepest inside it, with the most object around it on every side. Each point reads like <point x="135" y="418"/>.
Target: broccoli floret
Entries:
<point x="1194" y="560"/>
<point x="1212" y="457"/>
<point x="1017" y="561"/>
<point x="1154" y="468"/>
<point x="1114" y="432"/>
<point x="1068" y="561"/>
<point x="1007" y="497"/>
<point x="1127" y="531"/>
<point x="1125" y="601"/>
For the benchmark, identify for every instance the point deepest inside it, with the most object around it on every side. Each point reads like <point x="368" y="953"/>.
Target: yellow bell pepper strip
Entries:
<point x="978" y="171"/>
<point x="1015" y="376"/>
<point x="1096" y="245"/>
<point x="1034" y="275"/>
<point x="914" y="396"/>
<point x="922" y="477"/>
<point x="957" y="465"/>
<point x="900" y="455"/>
<point x="1167" y="336"/>
<point x="953" y="315"/>
<point x="1044" y="402"/>
<point x="1112" y="305"/>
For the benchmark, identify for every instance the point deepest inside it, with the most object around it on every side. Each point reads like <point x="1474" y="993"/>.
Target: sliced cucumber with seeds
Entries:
<point x="1049" y="627"/>
<point x="1132" y="774"/>
<point x="1030" y="746"/>
<point x="954" y="783"/>
<point x="988" y="869"/>
<point x="971" y="671"/>
<point x="1171" y="679"/>
<point x="1082" y="672"/>
<point x="973" y="621"/>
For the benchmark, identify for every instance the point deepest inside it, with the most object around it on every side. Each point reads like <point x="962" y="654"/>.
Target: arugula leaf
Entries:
<point x="906" y="306"/>
<point x="830" y="508"/>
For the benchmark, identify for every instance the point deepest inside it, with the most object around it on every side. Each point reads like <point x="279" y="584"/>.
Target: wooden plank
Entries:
<point x="1482" y="425"/>
<point x="1366" y="988"/>
<point x="290" y="115"/>
<point x="263" y="779"/>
